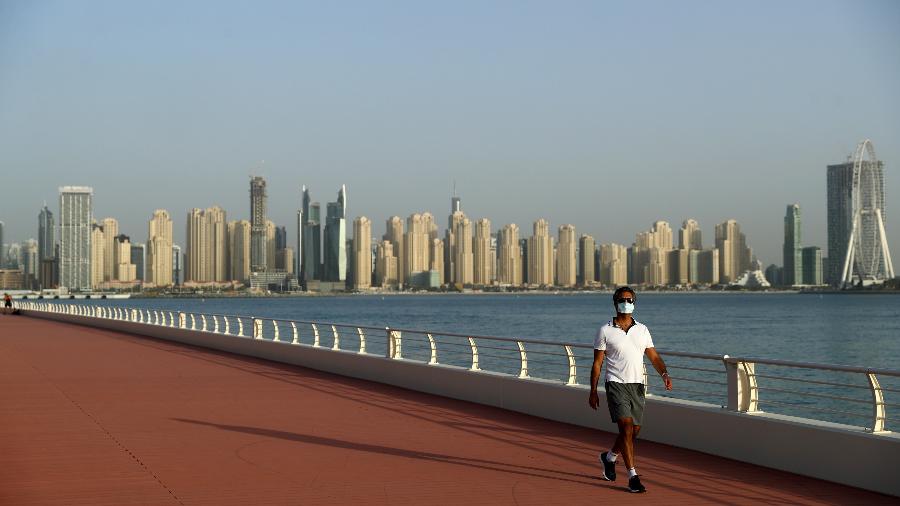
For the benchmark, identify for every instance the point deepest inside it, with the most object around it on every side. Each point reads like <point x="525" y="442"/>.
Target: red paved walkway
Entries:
<point x="89" y="416"/>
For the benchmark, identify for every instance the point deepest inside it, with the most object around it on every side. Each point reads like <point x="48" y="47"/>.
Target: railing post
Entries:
<point x="240" y="327"/>
<point x="315" y="335"/>
<point x="295" y="333"/>
<point x="474" y="347"/>
<point x="573" y="368"/>
<point x="646" y="379"/>
<point x="362" y="340"/>
<point x="257" y="328"/>
<point x="203" y="320"/>
<point x="227" y="325"/>
<point x="395" y="343"/>
<point x="743" y="395"/>
<point x="337" y="338"/>
<point x="215" y="324"/>
<point x="433" y="346"/>
<point x="171" y="319"/>
<point x="193" y="322"/>
<point x="879" y="413"/>
<point x="182" y="320"/>
<point x="275" y="326"/>
<point x="523" y="359"/>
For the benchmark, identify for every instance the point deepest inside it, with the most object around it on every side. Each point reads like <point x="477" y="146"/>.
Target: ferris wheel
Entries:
<point x="868" y="257"/>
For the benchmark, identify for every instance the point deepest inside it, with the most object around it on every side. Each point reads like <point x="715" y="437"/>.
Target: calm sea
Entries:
<point x="859" y="330"/>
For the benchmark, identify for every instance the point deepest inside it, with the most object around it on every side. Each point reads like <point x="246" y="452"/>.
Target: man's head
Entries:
<point x="623" y="300"/>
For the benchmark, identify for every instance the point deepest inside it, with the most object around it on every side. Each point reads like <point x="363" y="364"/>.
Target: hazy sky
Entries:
<point x="606" y="116"/>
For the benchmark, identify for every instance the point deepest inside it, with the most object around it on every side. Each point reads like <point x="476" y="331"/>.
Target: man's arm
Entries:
<point x="659" y="365"/>
<point x="594" y="399"/>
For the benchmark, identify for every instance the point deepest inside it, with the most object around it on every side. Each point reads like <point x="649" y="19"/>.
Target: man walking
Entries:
<point x="623" y="342"/>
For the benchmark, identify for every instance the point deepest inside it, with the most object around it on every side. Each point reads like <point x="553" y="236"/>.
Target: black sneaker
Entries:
<point x="609" y="468"/>
<point x="634" y="485"/>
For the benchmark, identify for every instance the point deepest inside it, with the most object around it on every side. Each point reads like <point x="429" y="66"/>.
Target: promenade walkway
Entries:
<point x="90" y="416"/>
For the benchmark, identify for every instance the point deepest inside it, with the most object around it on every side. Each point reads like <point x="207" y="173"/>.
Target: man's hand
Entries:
<point x="594" y="400"/>
<point x="667" y="380"/>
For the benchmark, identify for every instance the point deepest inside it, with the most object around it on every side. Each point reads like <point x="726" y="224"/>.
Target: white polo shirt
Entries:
<point x="624" y="351"/>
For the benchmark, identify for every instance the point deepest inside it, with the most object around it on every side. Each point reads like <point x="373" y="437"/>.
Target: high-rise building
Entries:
<point x="385" y="265"/>
<point x="126" y="271"/>
<point x="566" y="259"/>
<point x="239" y="250"/>
<point x="464" y="268"/>
<point x="271" y="240"/>
<point x="280" y="237"/>
<point x="336" y="238"/>
<point x="613" y="265"/>
<point x="734" y="253"/>
<point x="159" y="249"/>
<point x="394" y="234"/>
<point x="509" y="263"/>
<point x="483" y="264"/>
<point x="858" y="249"/>
<point x="704" y="266"/>
<point x="437" y="259"/>
<point x="362" y="253"/>
<point x="774" y="275"/>
<point x="302" y="234"/>
<point x="314" y="244"/>
<point x="30" y="263"/>
<point x="75" y="220"/>
<point x="258" y="219"/>
<point x="177" y="265"/>
<point x="46" y="248"/>
<point x="417" y="249"/>
<point x="679" y="266"/>
<point x="138" y="258"/>
<point x="540" y="255"/>
<point x="793" y="259"/>
<point x="450" y="249"/>
<point x="650" y="254"/>
<point x="110" y="232"/>
<point x="586" y="260"/>
<point x="205" y="248"/>
<point x="689" y="237"/>
<point x="98" y="255"/>
<point x="812" y="265"/>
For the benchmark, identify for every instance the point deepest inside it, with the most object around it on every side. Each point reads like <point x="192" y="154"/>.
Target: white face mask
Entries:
<point x="625" y="307"/>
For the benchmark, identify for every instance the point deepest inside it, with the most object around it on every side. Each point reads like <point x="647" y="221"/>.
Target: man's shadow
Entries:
<point x="537" y="472"/>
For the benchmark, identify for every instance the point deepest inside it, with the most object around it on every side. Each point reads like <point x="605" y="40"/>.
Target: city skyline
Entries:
<point x="691" y="232"/>
<point x="382" y="97"/>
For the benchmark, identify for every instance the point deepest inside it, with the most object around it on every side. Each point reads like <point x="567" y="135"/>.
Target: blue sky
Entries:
<point x="606" y="116"/>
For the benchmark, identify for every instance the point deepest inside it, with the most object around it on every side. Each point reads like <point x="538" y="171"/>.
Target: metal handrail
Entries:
<point x="811" y="365"/>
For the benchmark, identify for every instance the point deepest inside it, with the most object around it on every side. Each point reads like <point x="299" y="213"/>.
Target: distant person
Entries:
<point x="623" y="342"/>
<point x="7" y="302"/>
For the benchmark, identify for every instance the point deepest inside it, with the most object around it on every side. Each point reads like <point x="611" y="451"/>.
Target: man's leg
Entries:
<point x="625" y="441"/>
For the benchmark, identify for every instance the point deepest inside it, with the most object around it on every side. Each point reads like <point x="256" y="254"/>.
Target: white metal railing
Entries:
<point x="734" y="383"/>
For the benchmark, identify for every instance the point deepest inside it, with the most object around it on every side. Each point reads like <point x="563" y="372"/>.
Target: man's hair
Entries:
<point x="622" y="289"/>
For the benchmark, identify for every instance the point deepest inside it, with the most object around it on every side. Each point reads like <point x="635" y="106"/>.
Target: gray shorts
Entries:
<point x="625" y="400"/>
